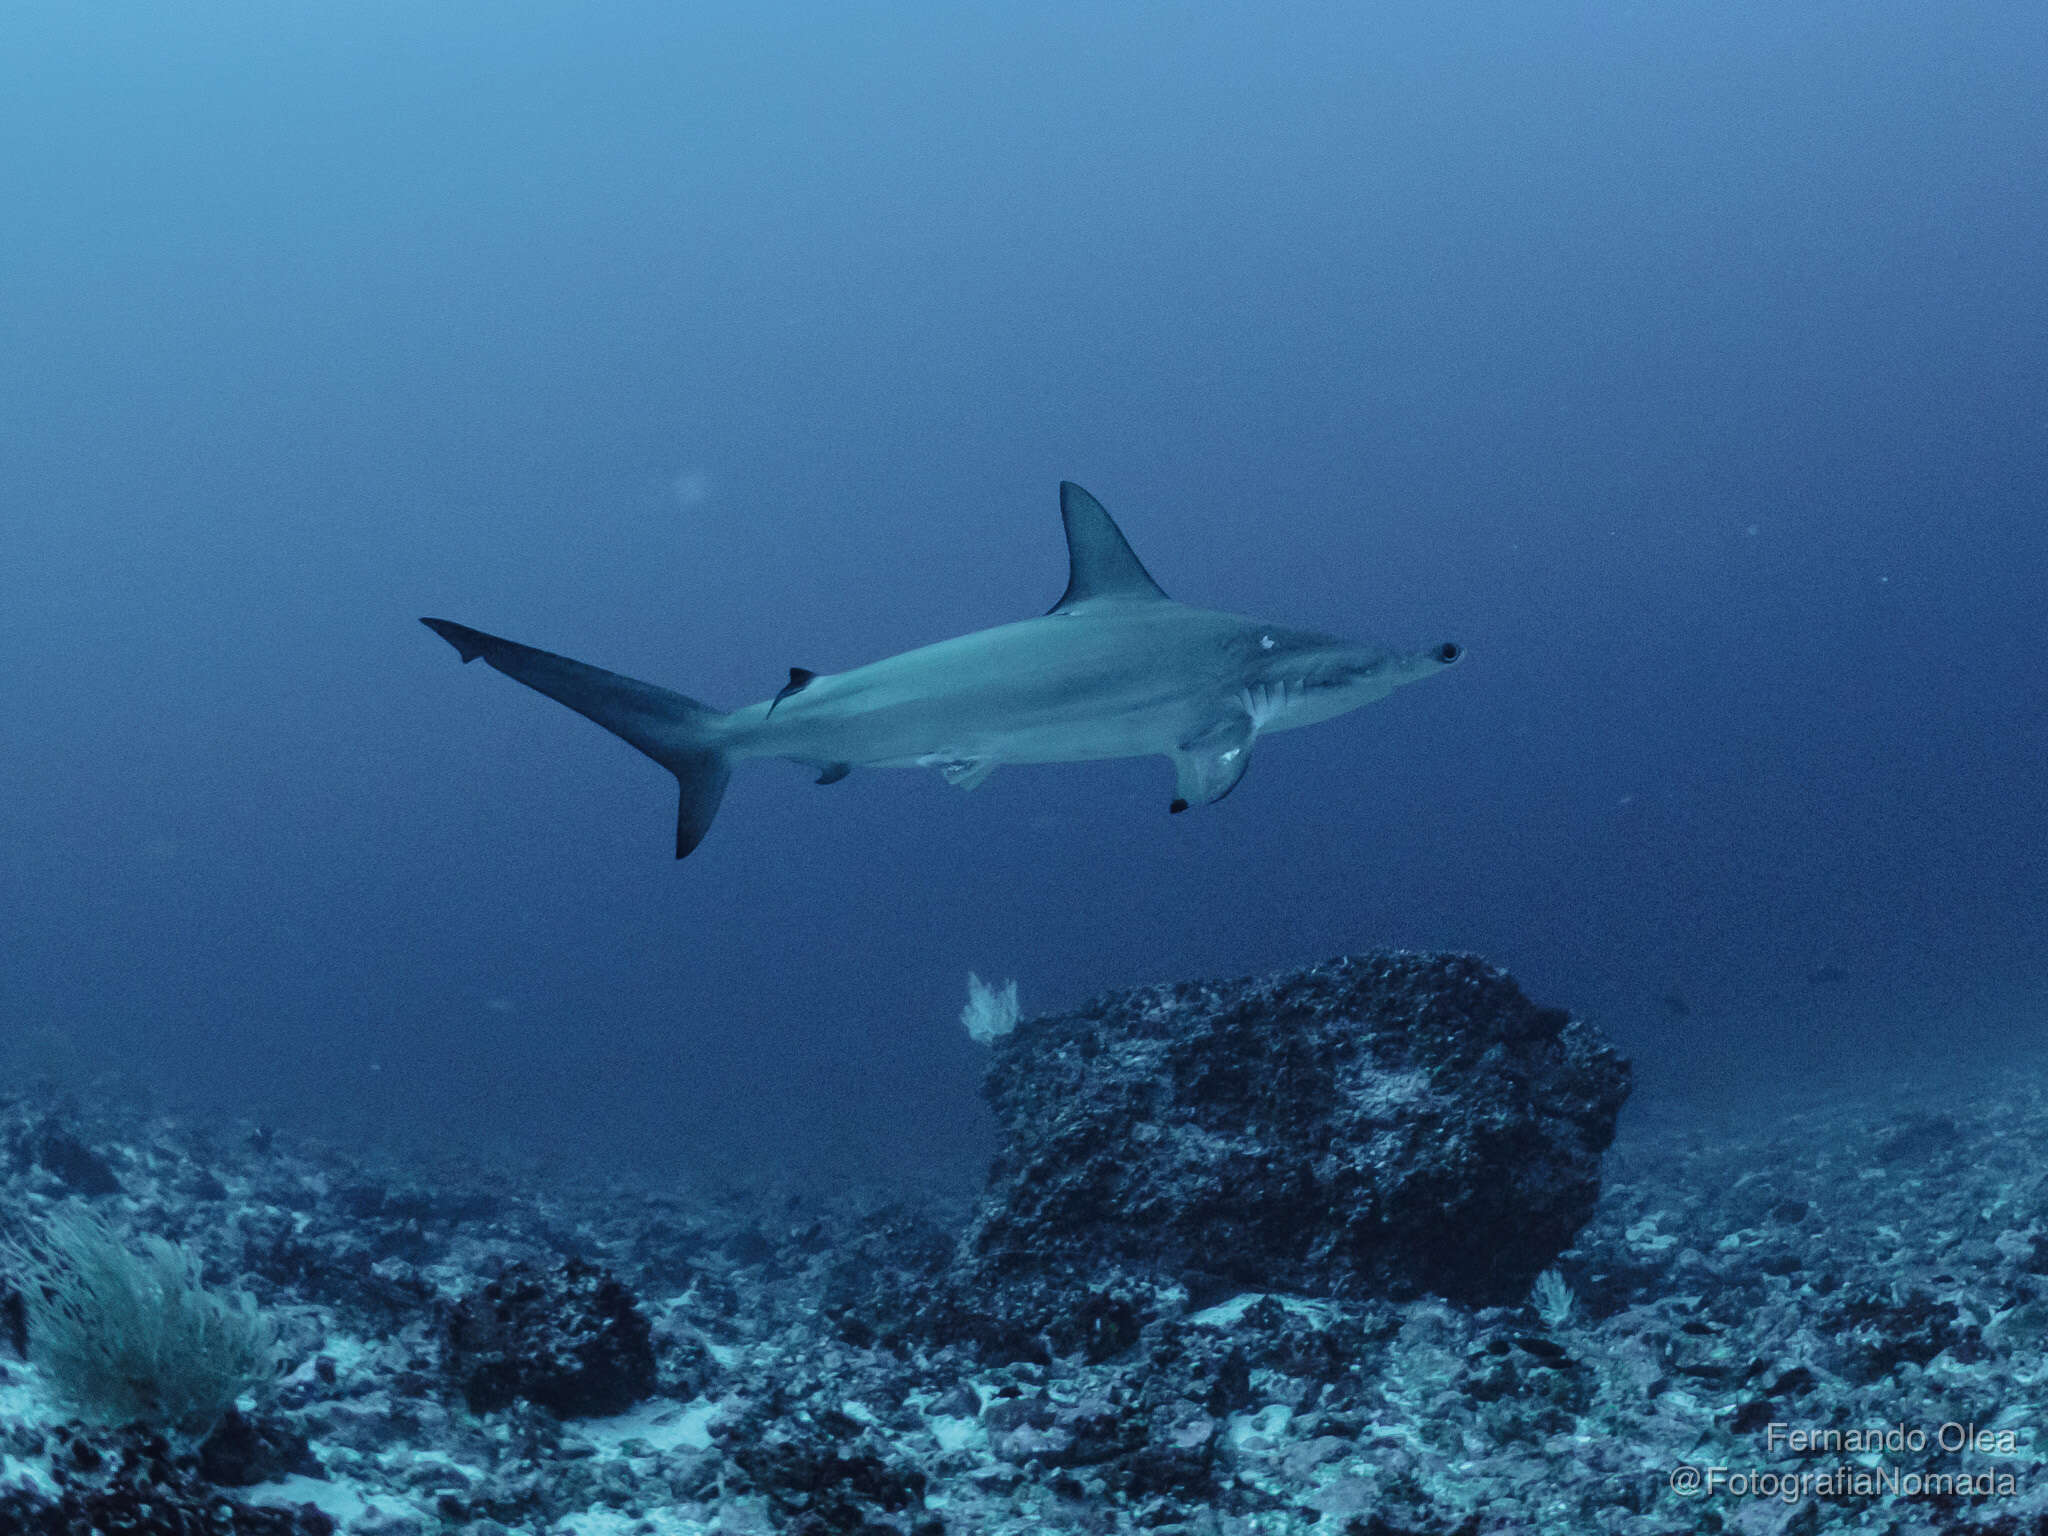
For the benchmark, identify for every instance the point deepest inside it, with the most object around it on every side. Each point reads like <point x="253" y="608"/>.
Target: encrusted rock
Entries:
<point x="571" y="1339"/>
<point x="53" y="1147"/>
<point x="129" y="1480"/>
<point x="239" y="1451"/>
<point x="1386" y="1124"/>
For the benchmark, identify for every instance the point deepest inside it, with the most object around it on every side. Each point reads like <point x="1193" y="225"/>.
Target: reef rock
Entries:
<point x="572" y="1339"/>
<point x="1384" y="1124"/>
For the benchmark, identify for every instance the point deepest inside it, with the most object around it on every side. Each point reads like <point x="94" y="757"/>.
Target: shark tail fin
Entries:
<point x="677" y="732"/>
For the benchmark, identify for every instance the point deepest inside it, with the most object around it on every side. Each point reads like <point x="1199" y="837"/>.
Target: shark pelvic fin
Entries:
<point x="1100" y="565"/>
<point x="1207" y="767"/>
<point x="832" y="773"/>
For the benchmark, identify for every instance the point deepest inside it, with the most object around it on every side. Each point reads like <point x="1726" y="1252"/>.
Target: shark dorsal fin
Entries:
<point x="1100" y="564"/>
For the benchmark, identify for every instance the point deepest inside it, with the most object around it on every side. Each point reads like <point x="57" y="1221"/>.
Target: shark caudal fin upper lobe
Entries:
<point x="677" y="732"/>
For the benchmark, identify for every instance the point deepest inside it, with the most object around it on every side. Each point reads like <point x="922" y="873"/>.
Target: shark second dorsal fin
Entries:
<point x="1100" y="564"/>
<point x="799" y="679"/>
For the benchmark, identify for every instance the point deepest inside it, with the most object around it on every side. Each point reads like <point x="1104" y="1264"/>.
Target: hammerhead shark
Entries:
<point x="1115" y="668"/>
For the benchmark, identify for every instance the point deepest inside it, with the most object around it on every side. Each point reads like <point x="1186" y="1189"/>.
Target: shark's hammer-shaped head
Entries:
<point x="1299" y="677"/>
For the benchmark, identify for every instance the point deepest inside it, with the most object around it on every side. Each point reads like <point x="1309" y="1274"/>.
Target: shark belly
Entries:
<point x="1047" y="690"/>
<point x="1003" y="725"/>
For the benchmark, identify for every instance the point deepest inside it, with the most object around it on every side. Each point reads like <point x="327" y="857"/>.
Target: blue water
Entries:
<point x="1688" y="364"/>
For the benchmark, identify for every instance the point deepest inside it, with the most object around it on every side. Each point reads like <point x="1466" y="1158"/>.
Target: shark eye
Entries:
<point x="1449" y="652"/>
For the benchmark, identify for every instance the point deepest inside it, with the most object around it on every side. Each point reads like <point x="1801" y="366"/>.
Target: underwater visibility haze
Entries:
<point x="1686" y="364"/>
<point x="1590" y="1093"/>
<point x="1682" y="363"/>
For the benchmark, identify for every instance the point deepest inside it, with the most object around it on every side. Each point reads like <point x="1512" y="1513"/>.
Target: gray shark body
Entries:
<point x="1115" y="669"/>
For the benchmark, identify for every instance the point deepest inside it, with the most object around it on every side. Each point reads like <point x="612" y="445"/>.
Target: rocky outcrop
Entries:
<point x="571" y="1339"/>
<point x="1384" y="1124"/>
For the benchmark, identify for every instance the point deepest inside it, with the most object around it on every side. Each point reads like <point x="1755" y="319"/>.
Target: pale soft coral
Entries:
<point x="125" y="1334"/>
<point x="989" y="1012"/>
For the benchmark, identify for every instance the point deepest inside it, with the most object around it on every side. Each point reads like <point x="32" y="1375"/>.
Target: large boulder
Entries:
<point x="572" y="1339"/>
<point x="1384" y="1124"/>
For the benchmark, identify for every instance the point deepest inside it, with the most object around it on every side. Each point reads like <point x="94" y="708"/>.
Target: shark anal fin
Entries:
<point x="832" y="773"/>
<point x="799" y="680"/>
<point x="1207" y="767"/>
<point x="1099" y="559"/>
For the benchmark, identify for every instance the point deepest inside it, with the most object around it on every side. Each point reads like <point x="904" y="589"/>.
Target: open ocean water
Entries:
<point x="1686" y="366"/>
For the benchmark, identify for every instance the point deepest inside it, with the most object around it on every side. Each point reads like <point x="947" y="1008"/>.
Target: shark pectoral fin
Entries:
<point x="832" y="773"/>
<point x="968" y="772"/>
<point x="1207" y="767"/>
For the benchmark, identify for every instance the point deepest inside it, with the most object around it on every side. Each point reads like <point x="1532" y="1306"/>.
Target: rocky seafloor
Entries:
<point x="1838" y="1321"/>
